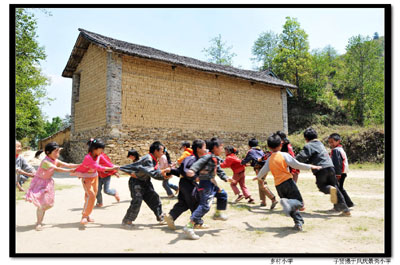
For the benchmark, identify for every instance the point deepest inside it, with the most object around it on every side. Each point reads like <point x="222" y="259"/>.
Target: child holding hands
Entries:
<point x="233" y="162"/>
<point x="41" y="190"/>
<point x="88" y="171"/>
<point x="278" y="163"/>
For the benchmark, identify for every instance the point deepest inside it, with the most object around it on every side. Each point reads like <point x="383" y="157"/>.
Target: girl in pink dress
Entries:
<point x="41" y="190"/>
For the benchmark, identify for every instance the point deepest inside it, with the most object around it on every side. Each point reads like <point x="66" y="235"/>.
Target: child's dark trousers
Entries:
<point x="186" y="200"/>
<point x="142" y="191"/>
<point x="326" y="178"/>
<point x="288" y="189"/>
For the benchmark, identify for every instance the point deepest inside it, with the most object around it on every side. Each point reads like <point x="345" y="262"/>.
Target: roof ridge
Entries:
<point x="156" y="54"/>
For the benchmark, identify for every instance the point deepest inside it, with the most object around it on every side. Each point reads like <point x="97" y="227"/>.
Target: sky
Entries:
<point x="187" y="32"/>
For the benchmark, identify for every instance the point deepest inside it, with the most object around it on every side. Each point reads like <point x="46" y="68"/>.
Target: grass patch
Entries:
<point x="19" y="194"/>
<point x="259" y="231"/>
<point x="367" y="166"/>
<point x="359" y="228"/>
<point x="240" y="207"/>
<point x="63" y="187"/>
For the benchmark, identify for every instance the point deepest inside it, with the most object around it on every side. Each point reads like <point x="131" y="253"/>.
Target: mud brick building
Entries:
<point x="130" y="95"/>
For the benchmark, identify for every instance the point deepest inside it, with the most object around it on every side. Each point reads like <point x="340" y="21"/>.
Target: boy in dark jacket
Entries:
<point x="141" y="187"/>
<point x="188" y="196"/>
<point x="206" y="168"/>
<point x="339" y="160"/>
<point x="315" y="153"/>
<point x="253" y="156"/>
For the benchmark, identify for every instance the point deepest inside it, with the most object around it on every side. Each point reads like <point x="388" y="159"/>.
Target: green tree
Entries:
<point x="364" y="80"/>
<point x="264" y="49"/>
<point x="219" y="52"/>
<point x="293" y="59"/>
<point x="30" y="82"/>
<point x="51" y="128"/>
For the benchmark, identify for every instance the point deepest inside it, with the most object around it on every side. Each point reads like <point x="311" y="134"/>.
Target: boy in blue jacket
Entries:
<point x="206" y="168"/>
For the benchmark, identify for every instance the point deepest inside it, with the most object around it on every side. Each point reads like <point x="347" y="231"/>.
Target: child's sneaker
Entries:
<point x="90" y="220"/>
<point x="345" y="213"/>
<point x="286" y="207"/>
<point x="189" y="232"/>
<point x="239" y="198"/>
<point x="273" y="205"/>
<point x="298" y="227"/>
<point x="333" y="192"/>
<point x="170" y="222"/>
<point x="201" y="226"/>
<point x="263" y="204"/>
<point x="220" y="216"/>
<point x="99" y="205"/>
<point x="161" y="220"/>
<point x="251" y="201"/>
<point x="127" y="225"/>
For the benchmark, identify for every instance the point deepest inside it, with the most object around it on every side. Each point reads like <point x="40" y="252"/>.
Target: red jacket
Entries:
<point x="233" y="162"/>
<point x="105" y="161"/>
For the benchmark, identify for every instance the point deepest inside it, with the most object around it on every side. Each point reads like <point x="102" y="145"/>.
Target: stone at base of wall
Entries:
<point x="120" y="139"/>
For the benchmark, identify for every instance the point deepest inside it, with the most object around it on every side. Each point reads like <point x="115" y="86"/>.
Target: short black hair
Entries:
<point x="134" y="153"/>
<point x="95" y="144"/>
<point x="231" y="149"/>
<point x="155" y="146"/>
<point x="253" y="142"/>
<point x="185" y="144"/>
<point x="198" y="143"/>
<point x="274" y="141"/>
<point x="335" y="136"/>
<point x="283" y="137"/>
<point x="213" y="142"/>
<point x="310" y="134"/>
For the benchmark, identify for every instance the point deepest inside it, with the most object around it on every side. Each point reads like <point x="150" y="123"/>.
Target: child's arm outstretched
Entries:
<point x="292" y="162"/>
<point x="22" y="172"/>
<point x="68" y="165"/>
<point x="263" y="171"/>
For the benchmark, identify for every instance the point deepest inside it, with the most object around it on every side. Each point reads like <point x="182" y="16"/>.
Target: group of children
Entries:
<point x="197" y="169"/>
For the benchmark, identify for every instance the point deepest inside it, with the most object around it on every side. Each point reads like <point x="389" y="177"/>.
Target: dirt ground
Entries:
<point x="250" y="228"/>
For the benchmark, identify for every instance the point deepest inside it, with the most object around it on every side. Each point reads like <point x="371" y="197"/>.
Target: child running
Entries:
<point x="278" y="163"/>
<point x="41" y="190"/>
<point x="254" y="155"/>
<point x="187" y="151"/>
<point x="233" y="162"/>
<point x="140" y="185"/>
<point x="341" y="164"/>
<point x="287" y="147"/>
<point x="165" y="162"/>
<point x="188" y="188"/>
<point x="88" y="171"/>
<point x="206" y="168"/>
<point x="314" y="152"/>
<point x="105" y="179"/>
<point x="22" y="169"/>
